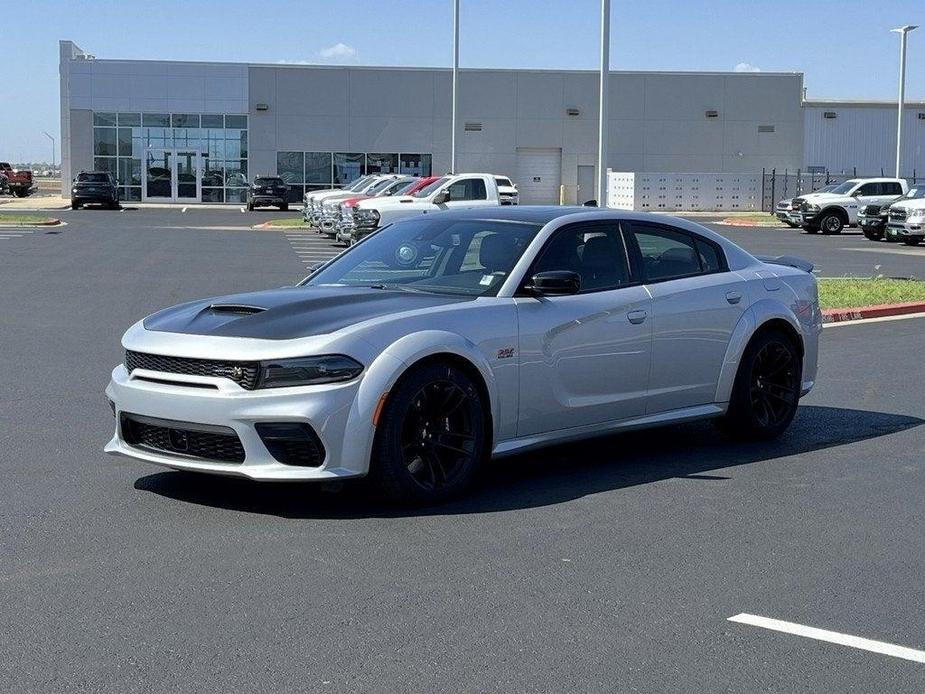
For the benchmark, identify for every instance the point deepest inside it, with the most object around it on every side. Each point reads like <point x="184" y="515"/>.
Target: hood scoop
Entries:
<point x="236" y="309"/>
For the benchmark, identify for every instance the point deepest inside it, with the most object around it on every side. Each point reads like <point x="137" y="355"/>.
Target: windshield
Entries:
<point x="357" y="184"/>
<point x="827" y="189"/>
<point x="843" y="188"/>
<point x="504" y="182"/>
<point x="93" y="178"/>
<point x="400" y="186"/>
<point x="380" y="186"/>
<point x="469" y="257"/>
<point x="427" y="190"/>
<point x="916" y="193"/>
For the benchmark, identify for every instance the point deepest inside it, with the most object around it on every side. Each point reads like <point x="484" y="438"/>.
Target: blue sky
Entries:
<point x="843" y="47"/>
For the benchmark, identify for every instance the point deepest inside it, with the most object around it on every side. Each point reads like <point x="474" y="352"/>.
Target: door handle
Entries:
<point x="733" y="297"/>
<point x="636" y="317"/>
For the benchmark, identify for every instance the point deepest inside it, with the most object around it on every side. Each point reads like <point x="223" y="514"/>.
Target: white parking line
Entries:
<point x="889" y="251"/>
<point x="831" y="636"/>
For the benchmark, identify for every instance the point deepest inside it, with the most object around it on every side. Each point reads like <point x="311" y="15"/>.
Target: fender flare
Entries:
<point x="751" y="321"/>
<point x="385" y="371"/>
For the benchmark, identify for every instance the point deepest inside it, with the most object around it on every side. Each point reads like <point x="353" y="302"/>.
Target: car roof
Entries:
<point x="543" y="214"/>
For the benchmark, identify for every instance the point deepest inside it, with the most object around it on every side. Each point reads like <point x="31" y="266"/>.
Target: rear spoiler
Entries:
<point x="788" y="260"/>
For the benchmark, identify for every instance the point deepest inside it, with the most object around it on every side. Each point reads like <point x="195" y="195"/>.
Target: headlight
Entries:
<point x="307" y="371"/>
<point x="917" y="214"/>
<point x="365" y="215"/>
<point x="813" y="208"/>
<point x="73" y="190"/>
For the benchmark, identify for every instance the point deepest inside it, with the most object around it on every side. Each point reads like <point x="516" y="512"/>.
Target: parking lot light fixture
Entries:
<point x="903" y="31"/>
<point x="455" y="85"/>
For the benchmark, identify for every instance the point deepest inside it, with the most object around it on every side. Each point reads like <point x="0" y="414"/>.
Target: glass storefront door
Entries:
<point x="187" y="175"/>
<point x="172" y="175"/>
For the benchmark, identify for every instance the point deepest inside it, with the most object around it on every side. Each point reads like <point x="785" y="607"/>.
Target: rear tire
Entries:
<point x="431" y="437"/>
<point x="766" y="392"/>
<point x="284" y="207"/>
<point x="912" y="242"/>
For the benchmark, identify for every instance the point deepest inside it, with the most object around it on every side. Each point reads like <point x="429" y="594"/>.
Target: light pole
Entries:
<point x="602" y="133"/>
<point x="455" y="80"/>
<point x="902" y="31"/>
<point x="52" y="148"/>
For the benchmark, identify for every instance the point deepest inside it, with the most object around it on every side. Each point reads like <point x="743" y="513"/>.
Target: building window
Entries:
<point x="415" y="164"/>
<point x="121" y="141"/>
<point x="348" y="167"/>
<point x="382" y="163"/>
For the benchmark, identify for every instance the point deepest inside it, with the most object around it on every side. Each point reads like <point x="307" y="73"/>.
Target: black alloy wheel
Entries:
<point x="766" y="392"/>
<point x="431" y="436"/>
<point x="832" y="223"/>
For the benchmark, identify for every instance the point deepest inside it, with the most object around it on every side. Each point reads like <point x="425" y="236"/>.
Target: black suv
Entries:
<point x="268" y="191"/>
<point x="95" y="187"/>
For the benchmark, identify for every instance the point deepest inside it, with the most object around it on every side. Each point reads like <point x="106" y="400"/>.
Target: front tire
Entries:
<point x="912" y="242"/>
<point x="832" y="223"/>
<point x="75" y="205"/>
<point x="284" y="207"/>
<point x="766" y="392"/>
<point x="810" y="229"/>
<point x="250" y="207"/>
<point x="431" y="437"/>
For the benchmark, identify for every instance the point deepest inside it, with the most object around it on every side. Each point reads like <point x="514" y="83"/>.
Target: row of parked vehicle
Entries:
<point x="883" y="208"/>
<point x="18" y="182"/>
<point x="349" y="214"/>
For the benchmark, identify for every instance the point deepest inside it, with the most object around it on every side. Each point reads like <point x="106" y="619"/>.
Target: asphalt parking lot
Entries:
<point x="607" y="566"/>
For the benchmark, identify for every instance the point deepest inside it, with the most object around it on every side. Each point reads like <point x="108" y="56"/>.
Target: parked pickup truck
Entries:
<point x="906" y="221"/>
<point x="311" y="210"/>
<point x="19" y="183"/>
<point x="833" y="211"/>
<point x="450" y="192"/>
<point x="873" y="218"/>
<point x="788" y="211"/>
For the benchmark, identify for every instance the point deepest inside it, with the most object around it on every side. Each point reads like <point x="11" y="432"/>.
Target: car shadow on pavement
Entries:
<point x="551" y="475"/>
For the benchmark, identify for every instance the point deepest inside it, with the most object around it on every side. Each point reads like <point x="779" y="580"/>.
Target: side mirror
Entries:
<point x="555" y="283"/>
<point x="442" y="197"/>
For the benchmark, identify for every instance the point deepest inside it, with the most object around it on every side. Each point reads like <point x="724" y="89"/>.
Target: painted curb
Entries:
<point x="770" y="224"/>
<point x="44" y="223"/>
<point x="839" y="315"/>
<point x="268" y="225"/>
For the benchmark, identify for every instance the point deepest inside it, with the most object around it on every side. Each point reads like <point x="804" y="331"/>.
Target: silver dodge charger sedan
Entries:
<point x="443" y="340"/>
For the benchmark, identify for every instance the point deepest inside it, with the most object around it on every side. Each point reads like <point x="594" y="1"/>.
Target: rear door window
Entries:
<point x="665" y="253"/>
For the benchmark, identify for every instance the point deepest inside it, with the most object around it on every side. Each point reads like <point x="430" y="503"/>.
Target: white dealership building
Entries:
<point x="197" y="132"/>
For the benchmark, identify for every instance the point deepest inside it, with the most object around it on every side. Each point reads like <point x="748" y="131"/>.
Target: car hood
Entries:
<point x="290" y="312"/>
<point x="909" y="204"/>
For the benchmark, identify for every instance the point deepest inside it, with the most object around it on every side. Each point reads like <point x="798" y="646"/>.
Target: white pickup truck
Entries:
<point x="832" y="211"/>
<point x="311" y="208"/>
<point x="447" y="193"/>
<point x="906" y="220"/>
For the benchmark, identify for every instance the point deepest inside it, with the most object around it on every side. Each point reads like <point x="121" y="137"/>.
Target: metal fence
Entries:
<point x="782" y="185"/>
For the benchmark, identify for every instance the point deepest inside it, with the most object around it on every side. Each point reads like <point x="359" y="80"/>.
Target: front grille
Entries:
<point x="195" y="440"/>
<point x="897" y="215"/>
<point x="244" y="373"/>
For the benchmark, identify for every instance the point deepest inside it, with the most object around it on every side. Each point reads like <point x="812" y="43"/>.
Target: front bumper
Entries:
<point x="222" y="403"/>
<point x="789" y="216"/>
<point x="909" y="230"/>
<point x="268" y="200"/>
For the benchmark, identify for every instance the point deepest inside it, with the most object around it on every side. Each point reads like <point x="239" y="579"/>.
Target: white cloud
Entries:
<point x="746" y="67"/>
<point x="339" y="51"/>
<point x="293" y="62"/>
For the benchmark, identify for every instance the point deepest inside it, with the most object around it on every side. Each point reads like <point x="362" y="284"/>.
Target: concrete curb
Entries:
<point x="839" y="315"/>
<point x="44" y="223"/>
